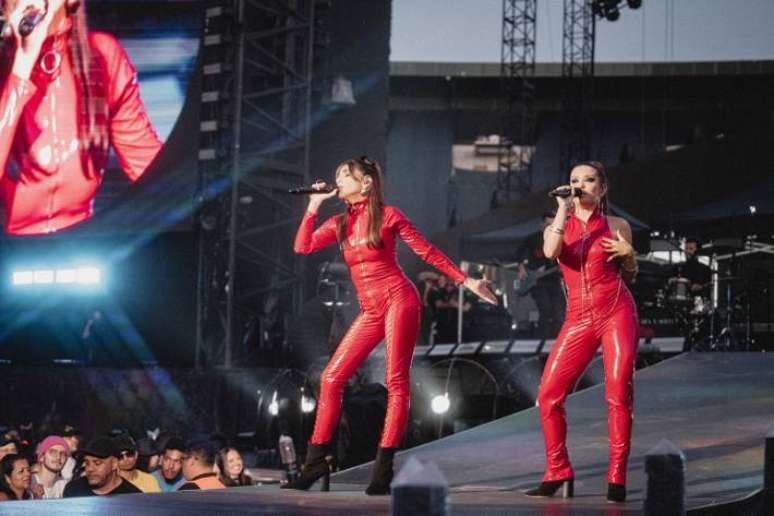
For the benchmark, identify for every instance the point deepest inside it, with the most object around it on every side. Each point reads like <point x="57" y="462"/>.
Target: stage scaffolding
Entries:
<point x="257" y="67"/>
<point x="578" y="33"/>
<point x="517" y="72"/>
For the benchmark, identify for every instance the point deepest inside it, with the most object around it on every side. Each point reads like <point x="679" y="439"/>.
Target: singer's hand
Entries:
<point x="617" y="247"/>
<point x="28" y="48"/>
<point x="564" y="202"/>
<point x="481" y="288"/>
<point x="315" y="200"/>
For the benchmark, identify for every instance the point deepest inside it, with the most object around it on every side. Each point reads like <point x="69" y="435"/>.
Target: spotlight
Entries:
<point x="274" y="405"/>
<point x="81" y="276"/>
<point x="307" y="404"/>
<point x="440" y="403"/>
<point x="612" y="14"/>
<point x="753" y="210"/>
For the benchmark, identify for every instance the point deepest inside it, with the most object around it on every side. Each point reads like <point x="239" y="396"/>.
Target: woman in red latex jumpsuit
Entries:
<point x="65" y="95"/>
<point x="389" y="308"/>
<point x="595" y="256"/>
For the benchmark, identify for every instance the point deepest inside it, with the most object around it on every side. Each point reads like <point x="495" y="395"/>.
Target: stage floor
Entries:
<point x="716" y="407"/>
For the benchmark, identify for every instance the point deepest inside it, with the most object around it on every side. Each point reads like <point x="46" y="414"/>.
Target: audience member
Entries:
<point x="232" y="468"/>
<point x="15" y="478"/>
<point x="100" y="467"/>
<point x="7" y="446"/>
<point x="52" y="453"/>
<point x="198" y="466"/>
<point x="170" y="475"/>
<point x="73" y="438"/>
<point x="127" y="465"/>
<point x="148" y="455"/>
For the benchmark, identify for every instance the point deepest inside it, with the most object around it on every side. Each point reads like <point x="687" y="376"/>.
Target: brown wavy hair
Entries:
<point x="604" y="202"/>
<point x="362" y="167"/>
<point x="87" y="68"/>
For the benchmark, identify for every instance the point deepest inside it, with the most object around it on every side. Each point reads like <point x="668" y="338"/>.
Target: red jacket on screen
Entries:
<point x="45" y="184"/>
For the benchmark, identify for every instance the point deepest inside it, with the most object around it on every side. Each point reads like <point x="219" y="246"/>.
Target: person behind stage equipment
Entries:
<point x="66" y="94"/>
<point x="444" y="301"/>
<point x="595" y="256"/>
<point x="390" y="308"/>
<point x="692" y="269"/>
<point x="546" y="287"/>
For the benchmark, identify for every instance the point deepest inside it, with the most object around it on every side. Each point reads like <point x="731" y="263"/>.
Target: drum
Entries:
<point x="679" y="291"/>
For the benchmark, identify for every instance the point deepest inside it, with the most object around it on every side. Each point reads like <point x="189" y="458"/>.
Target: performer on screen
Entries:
<point x="595" y="256"/>
<point x="389" y="307"/>
<point x="65" y="95"/>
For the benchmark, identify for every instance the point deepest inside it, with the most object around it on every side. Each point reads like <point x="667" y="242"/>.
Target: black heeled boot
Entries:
<point x="546" y="489"/>
<point x="382" y="472"/>
<point x="315" y="467"/>
<point x="616" y="493"/>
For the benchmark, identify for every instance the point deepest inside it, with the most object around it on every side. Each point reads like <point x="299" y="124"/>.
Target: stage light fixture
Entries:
<point x="612" y="14"/>
<point x="634" y="4"/>
<point x="87" y="276"/>
<point x="307" y="404"/>
<point x="440" y="403"/>
<point x="274" y="405"/>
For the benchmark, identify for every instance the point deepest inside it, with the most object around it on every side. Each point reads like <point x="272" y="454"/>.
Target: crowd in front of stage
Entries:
<point x="59" y="465"/>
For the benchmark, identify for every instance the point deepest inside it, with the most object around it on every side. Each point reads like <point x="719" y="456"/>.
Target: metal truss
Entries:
<point x="578" y="34"/>
<point x="257" y="70"/>
<point x="517" y="73"/>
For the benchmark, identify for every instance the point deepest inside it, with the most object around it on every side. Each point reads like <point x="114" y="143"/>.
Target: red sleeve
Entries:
<point x="15" y="94"/>
<point x="309" y="240"/>
<point x="131" y="133"/>
<point x="421" y="247"/>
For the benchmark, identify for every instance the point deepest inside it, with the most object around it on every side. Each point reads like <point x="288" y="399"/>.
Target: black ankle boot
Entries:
<point x="616" y="493"/>
<point x="546" y="489"/>
<point x="381" y="473"/>
<point x="315" y="467"/>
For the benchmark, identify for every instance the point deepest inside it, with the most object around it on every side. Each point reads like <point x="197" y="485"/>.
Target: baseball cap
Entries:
<point x="124" y="442"/>
<point x="100" y="447"/>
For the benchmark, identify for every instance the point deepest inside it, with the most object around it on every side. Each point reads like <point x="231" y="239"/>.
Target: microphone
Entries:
<point x="564" y="192"/>
<point x="308" y="190"/>
<point x="30" y="20"/>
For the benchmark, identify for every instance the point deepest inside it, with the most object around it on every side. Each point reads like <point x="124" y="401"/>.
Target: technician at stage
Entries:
<point x="65" y="96"/>
<point x="390" y="307"/>
<point x="595" y="256"/>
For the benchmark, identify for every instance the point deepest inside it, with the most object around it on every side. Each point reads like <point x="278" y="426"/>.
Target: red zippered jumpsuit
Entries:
<point x="45" y="186"/>
<point x="390" y="309"/>
<point x="600" y="308"/>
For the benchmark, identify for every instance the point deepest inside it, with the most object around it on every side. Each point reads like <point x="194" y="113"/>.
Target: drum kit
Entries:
<point x="712" y="316"/>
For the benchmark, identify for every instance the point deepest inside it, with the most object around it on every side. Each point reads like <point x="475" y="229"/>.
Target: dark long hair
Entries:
<point x="604" y="202"/>
<point x="6" y="469"/>
<point x="88" y="71"/>
<point x="220" y="459"/>
<point x="375" y="197"/>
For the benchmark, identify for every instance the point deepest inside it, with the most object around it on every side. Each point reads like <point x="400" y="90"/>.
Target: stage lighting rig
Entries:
<point x="611" y="9"/>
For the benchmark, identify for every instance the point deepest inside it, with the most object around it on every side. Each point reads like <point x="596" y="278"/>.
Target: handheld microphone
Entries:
<point x="308" y="190"/>
<point x="565" y="192"/>
<point x="30" y="20"/>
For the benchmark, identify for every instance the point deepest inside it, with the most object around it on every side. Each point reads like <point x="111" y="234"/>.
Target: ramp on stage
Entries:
<point x="716" y="407"/>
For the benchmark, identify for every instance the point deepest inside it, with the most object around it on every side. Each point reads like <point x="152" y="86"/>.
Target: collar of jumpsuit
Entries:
<point x="358" y="207"/>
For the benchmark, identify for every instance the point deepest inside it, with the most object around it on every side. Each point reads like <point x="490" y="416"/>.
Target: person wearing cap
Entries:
<point x="127" y="465"/>
<point x="170" y="474"/>
<point x="100" y="468"/>
<point x="198" y="466"/>
<point x="72" y="436"/>
<point x="52" y="453"/>
<point x="148" y="455"/>
<point x="8" y="445"/>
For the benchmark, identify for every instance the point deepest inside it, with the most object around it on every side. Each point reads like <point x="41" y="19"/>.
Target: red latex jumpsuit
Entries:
<point x="44" y="184"/>
<point x="389" y="309"/>
<point x="600" y="308"/>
